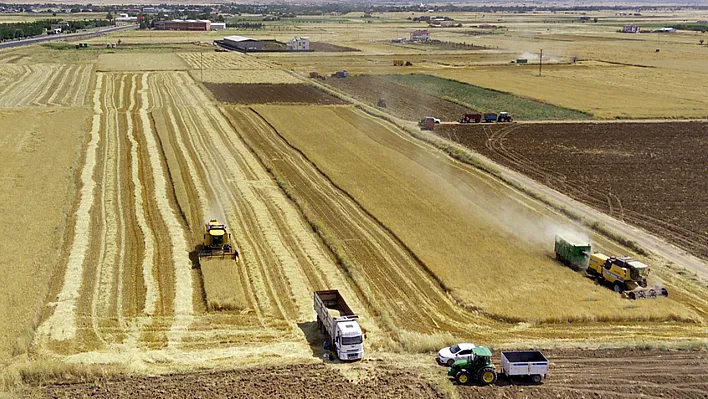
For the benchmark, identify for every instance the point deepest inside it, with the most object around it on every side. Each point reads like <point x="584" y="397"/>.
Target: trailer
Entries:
<point x="572" y="253"/>
<point x="490" y="117"/>
<point x="471" y="118"/>
<point x="531" y="364"/>
<point x="339" y="324"/>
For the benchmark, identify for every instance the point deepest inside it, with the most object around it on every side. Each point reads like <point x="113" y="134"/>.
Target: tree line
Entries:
<point x="16" y="30"/>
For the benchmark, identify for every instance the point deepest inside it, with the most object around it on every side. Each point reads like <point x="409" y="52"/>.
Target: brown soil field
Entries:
<point x="271" y="93"/>
<point x="573" y="374"/>
<point x="651" y="175"/>
<point x="402" y="101"/>
<point x="296" y="381"/>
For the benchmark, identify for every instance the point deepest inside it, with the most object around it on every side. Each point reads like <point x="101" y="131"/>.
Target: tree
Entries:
<point x="109" y="16"/>
<point x="700" y="42"/>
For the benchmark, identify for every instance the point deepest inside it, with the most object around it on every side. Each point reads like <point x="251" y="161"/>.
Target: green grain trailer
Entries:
<point x="572" y="253"/>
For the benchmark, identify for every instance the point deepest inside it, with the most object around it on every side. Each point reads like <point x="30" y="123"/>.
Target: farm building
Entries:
<point x="630" y="29"/>
<point x="218" y="26"/>
<point x="243" y="43"/>
<point x="667" y="30"/>
<point x="420" y="36"/>
<point x="299" y="43"/>
<point x="125" y="18"/>
<point x="186" y="24"/>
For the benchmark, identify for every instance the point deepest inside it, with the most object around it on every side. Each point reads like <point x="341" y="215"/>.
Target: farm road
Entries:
<point x="49" y="38"/>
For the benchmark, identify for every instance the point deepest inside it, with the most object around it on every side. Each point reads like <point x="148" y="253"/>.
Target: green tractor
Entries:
<point x="477" y="367"/>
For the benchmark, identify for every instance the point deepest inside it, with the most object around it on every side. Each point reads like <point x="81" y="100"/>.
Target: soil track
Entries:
<point x="402" y="101"/>
<point x="265" y="93"/>
<point x="625" y="170"/>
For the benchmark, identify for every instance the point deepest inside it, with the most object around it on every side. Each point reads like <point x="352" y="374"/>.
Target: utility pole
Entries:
<point x="540" y="62"/>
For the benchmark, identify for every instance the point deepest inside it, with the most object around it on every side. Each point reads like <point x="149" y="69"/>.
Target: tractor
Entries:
<point x="477" y="367"/>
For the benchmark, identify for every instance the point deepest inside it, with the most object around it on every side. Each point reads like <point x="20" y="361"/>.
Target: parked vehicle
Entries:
<point x="340" y="325"/>
<point x="490" y="117"/>
<point x="428" y="123"/>
<point x="477" y="367"/>
<point x="487" y="118"/>
<point x="451" y="354"/>
<point x="531" y="364"/>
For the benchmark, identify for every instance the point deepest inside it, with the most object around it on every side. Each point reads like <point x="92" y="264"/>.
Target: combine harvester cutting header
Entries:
<point x="625" y="275"/>
<point x="217" y="242"/>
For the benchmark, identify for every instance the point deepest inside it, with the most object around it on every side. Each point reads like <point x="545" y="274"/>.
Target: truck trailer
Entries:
<point x="339" y="324"/>
<point x="527" y="363"/>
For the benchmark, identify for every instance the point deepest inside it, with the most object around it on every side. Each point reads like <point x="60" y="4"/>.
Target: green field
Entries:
<point x="486" y="100"/>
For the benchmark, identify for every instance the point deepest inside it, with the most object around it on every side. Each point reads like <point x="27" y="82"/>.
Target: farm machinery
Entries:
<point x="316" y="75"/>
<point x="428" y="123"/>
<point x="477" y="367"/>
<point x="217" y="242"/>
<point x="402" y="63"/>
<point x="625" y="275"/>
<point x="487" y="118"/>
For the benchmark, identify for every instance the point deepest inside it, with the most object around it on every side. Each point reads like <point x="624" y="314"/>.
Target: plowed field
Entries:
<point x="650" y="175"/>
<point x="404" y="102"/>
<point x="271" y="93"/>
<point x="573" y="374"/>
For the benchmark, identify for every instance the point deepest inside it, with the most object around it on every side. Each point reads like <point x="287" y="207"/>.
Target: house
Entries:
<point x="420" y="36"/>
<point x="217" y="26"/>
<point x="630" y="29"/>
<point x="243" y="43"/>
<point x="125" y="18"/>
<point x="299" y="44"/>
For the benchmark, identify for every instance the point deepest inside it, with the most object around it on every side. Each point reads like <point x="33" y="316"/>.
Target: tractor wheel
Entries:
<point x="536" y="378"/>
<point x="463" y="377"/>
<point x="618" y="288"/>
<point x="487" y="376"/>
<point x="632" y="295"/>
<point x="450" y="362"/>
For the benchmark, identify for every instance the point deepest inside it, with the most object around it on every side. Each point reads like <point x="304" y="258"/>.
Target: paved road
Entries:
<point x="47" y="38"/>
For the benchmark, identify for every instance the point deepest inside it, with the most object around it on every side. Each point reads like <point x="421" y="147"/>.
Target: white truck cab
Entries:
<point x="340" y="325"/>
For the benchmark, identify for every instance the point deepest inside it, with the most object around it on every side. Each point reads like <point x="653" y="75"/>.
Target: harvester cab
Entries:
<point x="478" y="367"/>
<point x="217" y="242"/>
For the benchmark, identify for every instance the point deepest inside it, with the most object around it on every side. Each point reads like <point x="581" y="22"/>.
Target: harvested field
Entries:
<point x="330" y="48"/>
<point x="228" y="60"/>
<point x="125" y="288"/>
<point x="273" y="76"/>
<point x="271" y="93"/>
<point x="140" y="62"/>
<point x="44" y="85"/>
<point x="643" y="173"/>
<point x="404" y="102"/>
<point x="32" y="210"/>
<point x="430" y="202"/>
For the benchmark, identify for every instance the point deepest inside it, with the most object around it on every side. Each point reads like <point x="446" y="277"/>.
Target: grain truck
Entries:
<point x="339" y="324"/>
<point x="572" y="253"/>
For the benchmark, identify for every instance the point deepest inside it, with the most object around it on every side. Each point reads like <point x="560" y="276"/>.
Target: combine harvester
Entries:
<point x="217" y="242"/>
<point x="625" y="275"/>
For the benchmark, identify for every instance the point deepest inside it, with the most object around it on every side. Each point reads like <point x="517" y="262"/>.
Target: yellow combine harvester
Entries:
<point x="217" y="242"/>
<point x="625" y="275"/>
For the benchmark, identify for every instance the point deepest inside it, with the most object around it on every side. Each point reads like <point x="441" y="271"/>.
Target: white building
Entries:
<point x="299" y="44"/>
<point x="667" y="30"/>
<point x="420" y="36"/>
<point x="218" y="25"/>
<point x="630" y="29"/>
<point x="125" y="18"/>
<point x="243" y="43"/>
